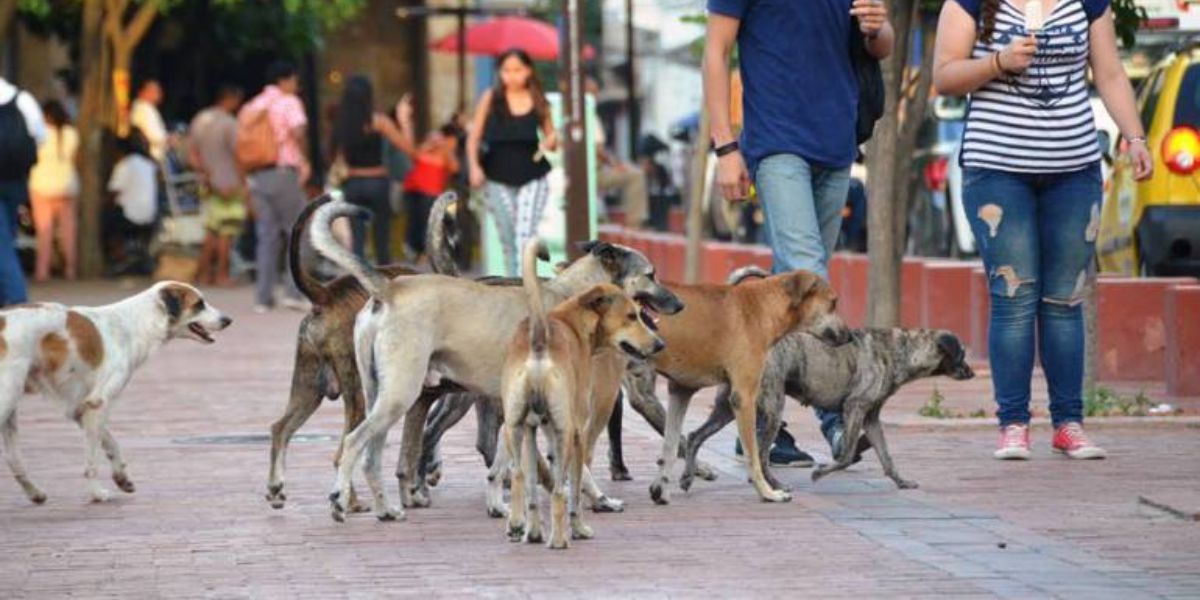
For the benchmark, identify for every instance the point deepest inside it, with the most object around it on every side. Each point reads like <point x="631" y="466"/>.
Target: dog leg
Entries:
<point x="676" y="410"/>
<point x="304" y="400"/>
<point x="720" y="416"/>
<point x="853" y="419"/>
<point x="772" y="420"/>
<point x="113" y="451"/>
<point x="91" y="415"/>
<point x="616" y="457"/>
<point x="579" y="529"/>
<point x="514" y="442"/>
<point x="559" y="540"/>
<point x="449" y="410"/>
<point x="496" y="508"/>
<point x="12" y="453"/>
<point x="530" y="455"/>
<point x="412" y="486"/>
<point x="639" y="391"/>
<point x="487" y="426"/>
<point x="373" y="470"/>
<point x="744" y="400"/>
<point x="874" y="430"/>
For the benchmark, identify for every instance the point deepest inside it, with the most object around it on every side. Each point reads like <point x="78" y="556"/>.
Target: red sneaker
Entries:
<point x="1072" y="441"/>
<point x="1014" y="443"/>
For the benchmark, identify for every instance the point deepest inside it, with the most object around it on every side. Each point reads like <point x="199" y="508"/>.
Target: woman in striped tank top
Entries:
<point x="1032" y="186"/>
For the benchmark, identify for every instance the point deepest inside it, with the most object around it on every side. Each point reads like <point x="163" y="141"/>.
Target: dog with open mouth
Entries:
<point x="84" y="357"/>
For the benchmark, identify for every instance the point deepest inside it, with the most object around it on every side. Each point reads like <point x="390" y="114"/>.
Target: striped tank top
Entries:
<point x="1040" y="121"/>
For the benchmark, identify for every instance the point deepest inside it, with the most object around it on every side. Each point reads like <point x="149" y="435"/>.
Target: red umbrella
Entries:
<point x="538" y="38"/>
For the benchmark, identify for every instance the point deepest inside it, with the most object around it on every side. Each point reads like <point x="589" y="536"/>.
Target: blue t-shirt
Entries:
<point x="801" y="94"/>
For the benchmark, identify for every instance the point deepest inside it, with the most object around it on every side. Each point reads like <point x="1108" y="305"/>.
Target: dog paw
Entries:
<point x="581" y="531"/>
<point x="337" y="509"/>
<point x="658" y="494"/>
<point x="275" y="496"/>
<point x="906" y="484"/>
<point x="817" y="474"/>
<point x="777" y="496"/>
<point x="38" y="497"/>
<point x="516" y="532"/>
<point x="434" y="477"/>
<point x="605" y="504"/>
<point x="706" y="472"/>
<point x="420" y="498"/>
<point x="100" y="494"/>
<point x="534" y="536"/>
<point x="559" y="543"/>
<point x="620" y="474"/>
<point x="124" y="483"/>
<point x="685" y="482"/>
<point x="388" y="514"/>
<point x="499" y="511"/>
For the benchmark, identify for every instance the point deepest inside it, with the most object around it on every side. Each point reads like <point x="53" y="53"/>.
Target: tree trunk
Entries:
<point x="91" y="124"/>
<point x="8" y="8"/>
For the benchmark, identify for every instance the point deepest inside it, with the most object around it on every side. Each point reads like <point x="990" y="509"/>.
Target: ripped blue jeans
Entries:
<point x="1036" y="234"/>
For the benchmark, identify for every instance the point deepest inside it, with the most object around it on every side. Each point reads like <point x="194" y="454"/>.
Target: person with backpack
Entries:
<point x="22" y="129"/>
<point x="270" y="147"/>
<point x="800" y="101"/>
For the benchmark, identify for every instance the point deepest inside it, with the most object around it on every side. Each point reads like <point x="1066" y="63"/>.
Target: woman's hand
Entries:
<point x="1017" y="57"/>
<point x="1139" y="157"/>
<point x="872" y="16"/>
<point x="476" y="177"/>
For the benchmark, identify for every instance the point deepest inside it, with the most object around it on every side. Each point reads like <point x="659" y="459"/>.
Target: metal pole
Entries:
<point x="462" y="55"/>
<point x="634" y="111"/>
<point x="574" y="134"/>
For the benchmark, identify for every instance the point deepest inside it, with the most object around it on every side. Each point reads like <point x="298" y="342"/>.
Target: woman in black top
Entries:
<point x="358" y="137"/>
<point x="512" y="167"/>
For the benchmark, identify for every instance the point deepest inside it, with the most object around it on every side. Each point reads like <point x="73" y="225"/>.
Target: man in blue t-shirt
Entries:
<point x="798" y="141"/>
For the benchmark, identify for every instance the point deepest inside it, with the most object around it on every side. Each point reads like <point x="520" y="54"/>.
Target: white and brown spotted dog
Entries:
<point x="83" y="357"/>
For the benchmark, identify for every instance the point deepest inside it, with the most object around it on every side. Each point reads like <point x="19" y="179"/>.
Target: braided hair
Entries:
<point x="987" y="19"/>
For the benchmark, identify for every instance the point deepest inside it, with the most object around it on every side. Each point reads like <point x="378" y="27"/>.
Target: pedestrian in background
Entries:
<point x="506" y="157"/>
<point x="1032" y="187"/>
<point x="276" y="189"/>
<point x="212" y="143"/>
<point x="359" y="135"/>
<point x="22" y="129"/>
<point x="144" y="115"/>
<point x="434" y="163"/>
<point x="53" y="190"/>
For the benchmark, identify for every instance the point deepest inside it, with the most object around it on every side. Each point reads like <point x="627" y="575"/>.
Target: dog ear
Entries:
<point x="172" y="303"/>
<point x="590" y="245"/>
<point x="598" y="299"/>
<point x="800" y="285"/>
<point x="949" y="345"/>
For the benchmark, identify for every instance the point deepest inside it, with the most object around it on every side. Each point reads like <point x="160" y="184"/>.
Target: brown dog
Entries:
<point x="723" y="337"/>
<point x="547" y="381"/>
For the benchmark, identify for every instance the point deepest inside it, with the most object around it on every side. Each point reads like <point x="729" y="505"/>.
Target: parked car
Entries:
<point x="1152" y="228"/>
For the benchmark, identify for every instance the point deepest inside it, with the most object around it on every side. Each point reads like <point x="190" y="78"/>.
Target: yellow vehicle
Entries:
<point x="1152" y="228"/>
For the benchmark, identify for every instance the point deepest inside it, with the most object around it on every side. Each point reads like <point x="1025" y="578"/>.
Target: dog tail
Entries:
<point x="321" y="234"/>
<point x="441" y="236"/>
<point x="744" y="273"/>
<point x="539" y="331"/>
<point x="308" y="285"/>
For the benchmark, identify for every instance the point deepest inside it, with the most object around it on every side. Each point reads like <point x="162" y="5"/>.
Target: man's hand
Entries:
<point x="872" y="16"/>
<point x="1019" y="54"/>
<point x="732" y="177"/>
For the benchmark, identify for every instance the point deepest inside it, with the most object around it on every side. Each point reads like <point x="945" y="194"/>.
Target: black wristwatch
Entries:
<point x="725" y="149"/>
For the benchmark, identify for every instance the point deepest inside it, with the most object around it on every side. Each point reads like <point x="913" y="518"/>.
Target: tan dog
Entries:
<point x="547" y="380"/>
<point x="723" y="337"/>
<point x="83" y="357"/>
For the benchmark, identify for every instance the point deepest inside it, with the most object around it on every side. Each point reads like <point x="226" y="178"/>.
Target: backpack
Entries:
<point x="255" y="146"/>
<point x="18" y="150"/>
<point x="871" y="93"/>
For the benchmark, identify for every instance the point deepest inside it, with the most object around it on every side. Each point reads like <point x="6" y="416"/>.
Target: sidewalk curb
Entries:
<point x="928" y="423"/>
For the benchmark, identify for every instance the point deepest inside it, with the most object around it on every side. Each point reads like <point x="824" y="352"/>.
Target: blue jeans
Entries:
<point x="371" y="193"/>
<point x="12" y="278"/>
<point x="802" y="205"/>
<point x="1036" y="234"/>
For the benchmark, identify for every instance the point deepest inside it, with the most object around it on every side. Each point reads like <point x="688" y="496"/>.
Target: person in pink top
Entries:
<point x="276" y="191"/>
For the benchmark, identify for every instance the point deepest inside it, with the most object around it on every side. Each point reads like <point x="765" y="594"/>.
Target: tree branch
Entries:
<point x="7" y="9"/>
<point x="145" y="16"/>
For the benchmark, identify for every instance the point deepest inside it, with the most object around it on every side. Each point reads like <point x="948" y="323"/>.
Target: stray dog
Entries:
<point x="547" y="380"/>
<point x="84" y="357"/>
<point x="325" y="367"/>
<point x="724" y="337"/>
<point x="856" y="379"/>
<point x="423" y="329"/>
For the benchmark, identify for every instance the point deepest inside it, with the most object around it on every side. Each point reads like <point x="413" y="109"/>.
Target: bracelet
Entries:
<point x="1136" y="139"/>
<point x="997" y="65"/>
<point x="725" y="149"/>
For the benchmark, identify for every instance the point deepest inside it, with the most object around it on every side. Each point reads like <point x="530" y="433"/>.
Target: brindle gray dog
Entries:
<point x="856" y="379"/>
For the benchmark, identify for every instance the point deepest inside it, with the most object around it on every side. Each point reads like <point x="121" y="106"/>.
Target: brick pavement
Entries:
<point x="198" y="526"/>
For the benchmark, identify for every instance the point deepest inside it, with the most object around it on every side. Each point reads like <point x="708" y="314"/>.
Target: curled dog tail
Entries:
<point x="539" y="330"/>
<point x="322" y="239"/>
<point x="308" y="285"/>
<point x="744" y="273"/>
<point x="441" y="236"/>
